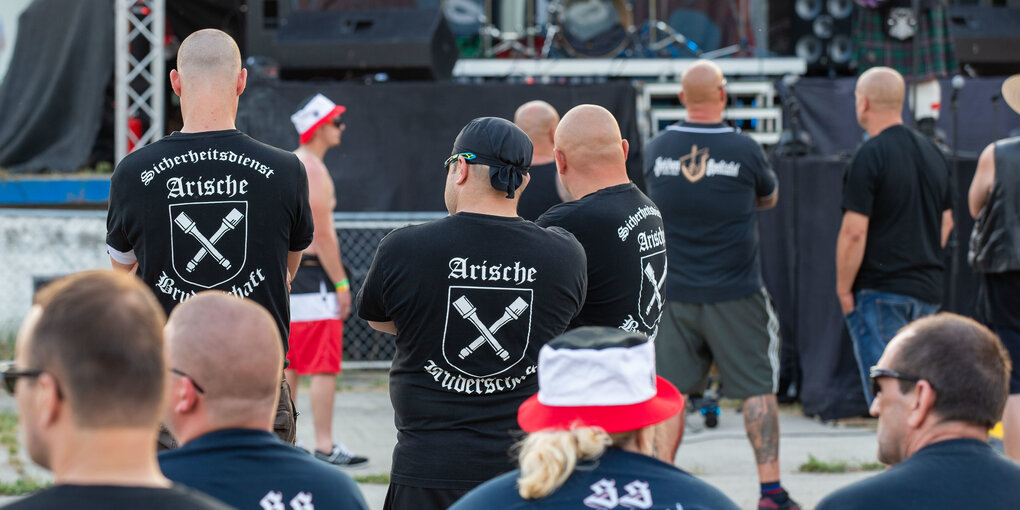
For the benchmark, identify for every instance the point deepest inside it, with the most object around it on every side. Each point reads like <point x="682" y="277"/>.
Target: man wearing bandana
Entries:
<point x="471" y="298"/>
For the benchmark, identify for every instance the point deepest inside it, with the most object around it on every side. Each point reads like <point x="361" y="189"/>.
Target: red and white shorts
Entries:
<point x="316" y="332"/>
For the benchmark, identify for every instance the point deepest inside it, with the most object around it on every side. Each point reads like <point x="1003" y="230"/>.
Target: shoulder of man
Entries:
<point x="558" y="214"/>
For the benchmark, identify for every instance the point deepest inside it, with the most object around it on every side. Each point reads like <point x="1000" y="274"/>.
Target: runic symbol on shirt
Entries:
<point x="694" y="164"/>
<point x="656" y="284"/>
<point x="229" y="223"/>
<point x="469" y="312"/>
<point x="188" y="226"/>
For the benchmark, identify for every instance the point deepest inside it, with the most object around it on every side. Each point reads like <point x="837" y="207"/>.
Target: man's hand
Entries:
<point x="846" y="302"/>
<point x="343" y="303"/>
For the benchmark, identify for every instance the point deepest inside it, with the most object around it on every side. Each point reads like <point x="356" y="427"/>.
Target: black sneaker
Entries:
<point x="768" y="503"/>
<point x="341" y="456"/>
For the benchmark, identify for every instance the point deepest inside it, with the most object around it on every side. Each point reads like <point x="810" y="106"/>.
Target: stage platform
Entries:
<point x="648" y="68"/>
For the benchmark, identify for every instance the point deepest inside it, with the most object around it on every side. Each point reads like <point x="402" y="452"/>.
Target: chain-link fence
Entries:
<point x="37" y="246"/>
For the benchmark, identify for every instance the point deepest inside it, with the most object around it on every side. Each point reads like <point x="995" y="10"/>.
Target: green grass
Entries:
<point x="379" y="479"/>
<point x="9" y="442"/>
<point x="22" y="486"/>
<point x="813" y="465"/>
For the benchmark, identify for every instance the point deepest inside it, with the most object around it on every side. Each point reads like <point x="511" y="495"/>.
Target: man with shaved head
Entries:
<point x="708" y="180"/>
<point x="224" y="418"/>
<point x="88" y="378"/>
<point x="896" y="219"/>
<point x="538" y="120"/>
<point x="208" y="207"/>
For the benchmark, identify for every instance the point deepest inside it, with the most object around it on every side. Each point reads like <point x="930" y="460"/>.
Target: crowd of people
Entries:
<point x="580" y="328"/>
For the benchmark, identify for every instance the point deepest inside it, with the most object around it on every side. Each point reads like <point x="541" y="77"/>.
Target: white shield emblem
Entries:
<point x="208" y="241"/>
<point x="653" y="280"/>
<point x="483" y="342"/>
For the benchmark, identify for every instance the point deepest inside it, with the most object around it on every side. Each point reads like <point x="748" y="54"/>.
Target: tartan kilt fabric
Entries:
<point x="874" y="48"/>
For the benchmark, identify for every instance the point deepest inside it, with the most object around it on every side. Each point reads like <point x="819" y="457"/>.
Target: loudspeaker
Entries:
<point x="405" y="43"/>
<point x="823" y="35"/>
<point x="986" y="38"/>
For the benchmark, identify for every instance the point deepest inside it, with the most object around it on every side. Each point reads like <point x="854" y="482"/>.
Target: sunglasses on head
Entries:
<point x="451" y="159"/>
<point x="192" y="379"/>
<point x="338" y="121"/>
<point x="877" y="373"/>
<point x="9" y="374"/>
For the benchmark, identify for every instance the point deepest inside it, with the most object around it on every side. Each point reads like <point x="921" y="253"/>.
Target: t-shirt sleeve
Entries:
<point x="554" y="216"/>
<point x="764" y="177"/>
<point x="371" y="299"/>
<point x="859" y="181"/>
<point x="303" y="228"/>
<point x="947" y="197"/>
<point x="116" y="230"/>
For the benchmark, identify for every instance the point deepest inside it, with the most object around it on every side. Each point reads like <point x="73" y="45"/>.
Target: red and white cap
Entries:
<point x="316" y="112"/>
<point x="599" y="377"/>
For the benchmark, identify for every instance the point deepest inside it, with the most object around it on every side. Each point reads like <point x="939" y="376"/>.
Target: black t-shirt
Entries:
<point x="541" y="192"/>
<point x="103" y="497"/>
<point x="215" y="210"/>
<point x="706" y="179"/>
<point x="958" y="473"/>
<point x="621" y="231"/>
<point x="618" y="479"/>
<point x="473" y="298"/>
<point x="900" y="180"/>
<point x="253" y="469"/>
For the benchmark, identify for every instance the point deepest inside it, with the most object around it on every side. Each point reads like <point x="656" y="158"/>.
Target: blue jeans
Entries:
<point x="874" y="321"/>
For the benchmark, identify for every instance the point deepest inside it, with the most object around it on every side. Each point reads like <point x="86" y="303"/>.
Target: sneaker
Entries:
<point x="341" y="456"/>
<point x="767" y="503"/>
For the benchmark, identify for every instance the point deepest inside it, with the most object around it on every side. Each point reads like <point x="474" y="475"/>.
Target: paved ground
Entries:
<point x="721" y="456"/>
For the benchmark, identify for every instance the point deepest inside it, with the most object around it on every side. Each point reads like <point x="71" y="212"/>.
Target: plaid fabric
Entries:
<point x="874" y="48"/>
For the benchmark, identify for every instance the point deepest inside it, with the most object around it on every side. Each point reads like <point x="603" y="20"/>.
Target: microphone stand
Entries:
<point x="954" y="236"/>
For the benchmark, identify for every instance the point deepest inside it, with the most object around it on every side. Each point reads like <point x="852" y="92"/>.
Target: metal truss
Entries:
<point x="140" y="27"/>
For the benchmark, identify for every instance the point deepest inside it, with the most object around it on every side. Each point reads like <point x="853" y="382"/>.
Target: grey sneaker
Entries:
<point x="341" y="456"/>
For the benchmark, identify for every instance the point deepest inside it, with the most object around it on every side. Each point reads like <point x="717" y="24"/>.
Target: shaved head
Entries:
<point x="590" y="139"/>
<point x="701" y="83"/>
<point x="232" y="348"/>
<point x="884" y="89"/>
<point x="538" y="119"/>
<point x="209" y="55"/>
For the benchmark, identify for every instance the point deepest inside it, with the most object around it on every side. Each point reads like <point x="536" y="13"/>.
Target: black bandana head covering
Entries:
<point x="502" y="146"/>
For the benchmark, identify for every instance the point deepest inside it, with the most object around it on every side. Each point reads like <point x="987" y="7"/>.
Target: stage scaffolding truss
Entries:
<point x="140" y="108"/>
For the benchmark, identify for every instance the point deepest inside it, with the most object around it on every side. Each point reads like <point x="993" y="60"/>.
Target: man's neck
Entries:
<point x="700" y="114"/>
<point x="945" y="431"/>
<point x="491" y="205"/>
<point x="880" y="124"/>
<point x="315" y="149"/>
<point x="109" y="456"/>
<point x="598" y="181"/>
<point x="541" y="157"/>
<point x="204" y="115"/>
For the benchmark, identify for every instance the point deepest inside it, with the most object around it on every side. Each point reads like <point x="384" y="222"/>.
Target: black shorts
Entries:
<point x="405" y="497"/>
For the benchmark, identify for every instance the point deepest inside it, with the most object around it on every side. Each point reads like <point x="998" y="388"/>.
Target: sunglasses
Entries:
<point x="9" y="374"/>
<point x="192" y="379"/>
<point x="451" y="159"/>
<point x="876" y="373"/>
<point x="338" y="121"/>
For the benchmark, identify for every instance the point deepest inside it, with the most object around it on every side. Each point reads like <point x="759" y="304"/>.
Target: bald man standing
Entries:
<point x="708" y="180"/>
<point x="224" y="419"/>
<point x="208" y="207"/>
<point x="896" y="219"/>
<point x="538" y="120"/>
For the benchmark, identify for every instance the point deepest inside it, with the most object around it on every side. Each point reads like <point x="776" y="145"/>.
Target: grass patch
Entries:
<point x="23" y="486"/>
<point x="379" y="479"/>
<point x="813" y="465"/>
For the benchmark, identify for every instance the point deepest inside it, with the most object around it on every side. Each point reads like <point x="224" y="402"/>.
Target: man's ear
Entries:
<point x="50" y="403"/>
<point x="922" y="404"/>
<point x="183" y="395"/>
<point x="626" y="149"/>
<point x="175" y="81"/>
<point x="561" y="161"/>
<point x="463" y="171"/>
<point x="242" y="80"/>
<point x="681" y="96"/>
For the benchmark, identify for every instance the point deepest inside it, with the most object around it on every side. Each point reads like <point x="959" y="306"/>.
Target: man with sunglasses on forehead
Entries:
<point x="320" y="298"/>
<point x="88" y="376"/>
<point x="471" y="298"/>
<point x="940" y="384"/>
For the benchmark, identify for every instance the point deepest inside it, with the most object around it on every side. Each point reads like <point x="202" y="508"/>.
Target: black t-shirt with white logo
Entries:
<point x="706" y="179"/>
<point x="473" y="297"/>
<point x="900" y="180"/>
<point x="214" y="210"/>
<point x="622" y="234"/>
<point x="541" y="192"/>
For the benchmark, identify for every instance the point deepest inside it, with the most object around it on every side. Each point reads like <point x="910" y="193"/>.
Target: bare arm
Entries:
<point x="385" y="327"/>
<point x="947" y="225"/>
<point x="984" y="179"/>
<point x="325" y="243"/>
<point x="768" y="202"/>
<point x="130" y="268"/>
<point x="850" y="245"/>
<point x="293" y="263"/>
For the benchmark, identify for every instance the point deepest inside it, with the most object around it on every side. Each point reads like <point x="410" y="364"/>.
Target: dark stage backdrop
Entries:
<point x="798" y="242"/>
<point x="399" y="134"/>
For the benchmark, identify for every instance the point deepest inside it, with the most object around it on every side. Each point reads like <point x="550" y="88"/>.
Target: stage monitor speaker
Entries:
<point x="986" y="38"/>
<point x="405" y="43"/>
<point x="823" y="35"/>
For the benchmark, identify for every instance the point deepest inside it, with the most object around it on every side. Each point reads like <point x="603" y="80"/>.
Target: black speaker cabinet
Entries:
<point x="822" y="34"/>
<point x="986" y="38"/>
<point x="405" y="43"/>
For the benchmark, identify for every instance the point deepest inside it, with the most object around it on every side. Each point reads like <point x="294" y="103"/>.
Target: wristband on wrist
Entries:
<point x="342" y="284"/>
